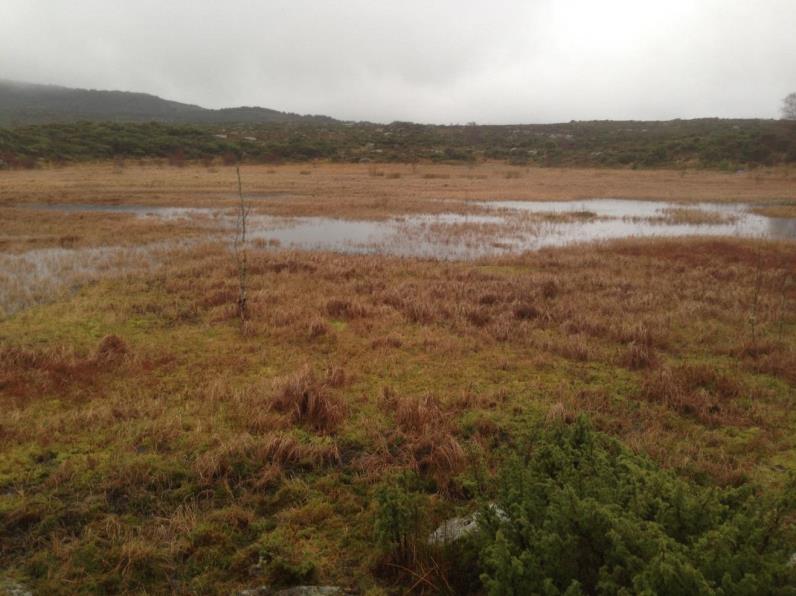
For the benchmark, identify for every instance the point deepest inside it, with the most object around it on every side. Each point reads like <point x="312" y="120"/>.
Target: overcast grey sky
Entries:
<point x="423" y="60"/>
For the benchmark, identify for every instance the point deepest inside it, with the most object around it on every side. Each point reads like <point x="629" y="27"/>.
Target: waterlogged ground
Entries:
<point x="151" y="443"/>
<point x="44" y="274"/>
<point x="518" y="226"/>
<point x="487" y="228"/>
<point x="503" y="227"/>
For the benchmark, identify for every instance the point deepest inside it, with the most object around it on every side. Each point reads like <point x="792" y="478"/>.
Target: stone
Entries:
<point x="9" y="588"/>
<point x="456" y="528"/>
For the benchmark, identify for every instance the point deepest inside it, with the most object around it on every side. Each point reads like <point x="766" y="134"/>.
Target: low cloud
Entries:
<point x="442" y="61"/>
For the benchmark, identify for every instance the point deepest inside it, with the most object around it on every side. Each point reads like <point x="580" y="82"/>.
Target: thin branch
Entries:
<point x="240" y="253"/>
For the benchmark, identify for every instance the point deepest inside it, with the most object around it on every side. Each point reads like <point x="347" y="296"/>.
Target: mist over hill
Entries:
<point x="28" y="103"/>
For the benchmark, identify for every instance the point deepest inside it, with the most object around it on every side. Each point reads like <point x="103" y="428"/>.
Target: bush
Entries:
<point x="397" y="522"/>
<point x="583" y="515"/>
<point x="281" y="562"/>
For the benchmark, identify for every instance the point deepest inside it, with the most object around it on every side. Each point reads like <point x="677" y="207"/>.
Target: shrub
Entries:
<point x="281" y="562"/>
<point x="583" y="515"/>
<point x="397" y="522"/>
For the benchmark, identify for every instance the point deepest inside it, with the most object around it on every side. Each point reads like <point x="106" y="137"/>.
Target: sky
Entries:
<point x="436" y="61"/>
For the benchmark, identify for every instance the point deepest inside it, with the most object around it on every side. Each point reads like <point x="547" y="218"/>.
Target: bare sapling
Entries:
<point x="755" y="300"/>
<point x="783" y="307"/>
<point x="240" y="252"/>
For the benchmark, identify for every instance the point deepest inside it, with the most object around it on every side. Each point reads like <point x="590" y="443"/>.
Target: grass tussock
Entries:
<point x="345" y="309"/>
<point x="709" y="395"/>
<point x="111" y="350"/>
<point x="246" y="459"/>
<point x="27" y="372"/>
<point x="308" y="401"/>
<point x="430" y="445"/>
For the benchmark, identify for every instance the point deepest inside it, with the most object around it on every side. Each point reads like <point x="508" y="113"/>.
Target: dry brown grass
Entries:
<point x="24" y="229"/>
<point x="651" y="339"/>
<point x="318" y="327"/>
<point x="178" y="431"/>
<point x="701" y="391"/>
<point x="260" y="461"/>
<point x="638" y="356"/>
<point x="308" y="400"/>
<point x="560" y="412"/>
<point x="429" y="444"/>
<point x="345" y="309"/>
<point x="26" y="372"/>
<point x="784" y="210"/>
<point x="111" y="350"/>
<point x="691" y="216"/>
<point x="347" y="190"/>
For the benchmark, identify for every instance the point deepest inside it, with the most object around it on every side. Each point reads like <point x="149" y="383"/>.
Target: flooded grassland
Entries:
<point x="421" y="324"/>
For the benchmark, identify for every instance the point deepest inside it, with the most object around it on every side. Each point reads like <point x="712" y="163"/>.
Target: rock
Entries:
<point x="453" y="529"/>
<point x="9" y="588"/>
<point x="459" y="527"/>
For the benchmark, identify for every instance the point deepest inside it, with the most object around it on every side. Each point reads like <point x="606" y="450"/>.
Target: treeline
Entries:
<point x="707" y="143"/>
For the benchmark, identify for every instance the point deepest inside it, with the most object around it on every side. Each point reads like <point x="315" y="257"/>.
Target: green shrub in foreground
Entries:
<point x="584" y="515"/>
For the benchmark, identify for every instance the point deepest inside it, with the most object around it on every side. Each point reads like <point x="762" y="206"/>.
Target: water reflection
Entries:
<point x="509" y="226"/>
<point x="452" y="236"/>
<point x="139" y="210"/>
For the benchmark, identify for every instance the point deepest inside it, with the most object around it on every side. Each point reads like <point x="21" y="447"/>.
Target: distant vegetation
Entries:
<point x="789" y="107"/>
<point x="707" y="143"/>
<point x="42" y="123"/>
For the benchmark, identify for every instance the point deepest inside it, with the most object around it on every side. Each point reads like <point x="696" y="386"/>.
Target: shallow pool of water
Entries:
<point x="160" y="212"/>
<point x="453" y="236"/>
<point x="617" y="208"/>
<point x="507" y="226"/>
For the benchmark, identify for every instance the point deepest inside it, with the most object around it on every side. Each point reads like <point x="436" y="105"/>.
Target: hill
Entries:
<point x="28" y="103"/>
<point x="40" y="123"/>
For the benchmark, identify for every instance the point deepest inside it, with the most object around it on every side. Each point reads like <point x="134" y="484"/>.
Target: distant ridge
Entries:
<point x="29" y="103"/>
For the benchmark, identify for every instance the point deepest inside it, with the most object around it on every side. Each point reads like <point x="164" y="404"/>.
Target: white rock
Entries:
<point x="458" y="527"/>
